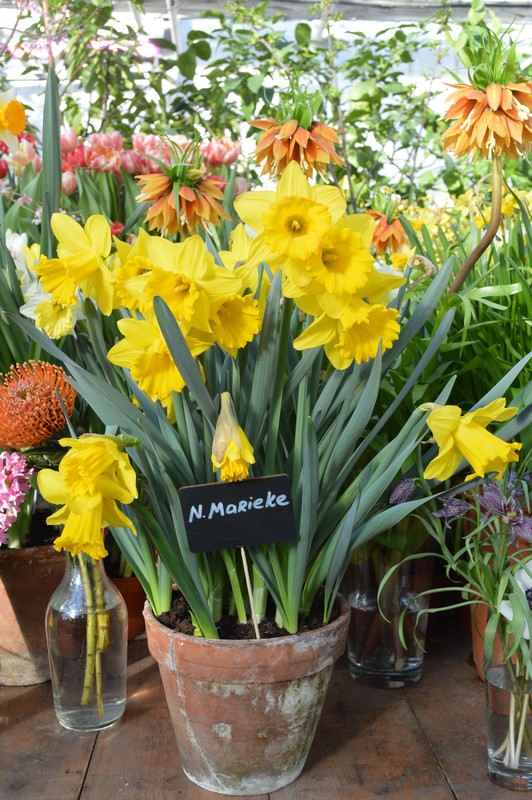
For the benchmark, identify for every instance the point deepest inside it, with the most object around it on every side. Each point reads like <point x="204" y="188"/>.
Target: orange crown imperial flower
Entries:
<point x="184" y="196"/>
<point x="387" y="236"/>
<point x="30" y="411"/>
<point x="494" y="122"/>
<point x="312" y="147"/>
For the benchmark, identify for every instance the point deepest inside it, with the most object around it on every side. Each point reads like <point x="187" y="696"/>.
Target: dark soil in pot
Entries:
<point x="178" y="618"/>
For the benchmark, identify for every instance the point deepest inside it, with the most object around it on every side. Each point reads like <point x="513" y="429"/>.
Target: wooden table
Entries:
<point x="426" y="742"/>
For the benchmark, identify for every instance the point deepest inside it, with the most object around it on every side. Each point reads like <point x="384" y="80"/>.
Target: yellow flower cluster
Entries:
<point x="211" y="303"/>
<point x="326" y="263"/>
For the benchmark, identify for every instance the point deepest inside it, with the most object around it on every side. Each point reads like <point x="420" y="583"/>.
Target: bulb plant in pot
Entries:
<point x="249" y="375"/>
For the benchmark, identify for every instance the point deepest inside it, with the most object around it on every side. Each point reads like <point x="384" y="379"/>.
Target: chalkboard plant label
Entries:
<point x="238" y="514"/>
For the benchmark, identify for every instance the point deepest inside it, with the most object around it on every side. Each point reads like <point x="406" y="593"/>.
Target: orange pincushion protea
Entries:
<point x="30" y="411"/>
<point x="493" y="123"/>
<point x="387" y="236"/>
<point x="198" y="202"/>
<point x="313" y="148"/>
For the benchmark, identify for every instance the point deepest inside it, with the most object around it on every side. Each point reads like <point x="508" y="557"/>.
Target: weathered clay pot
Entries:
<point x="134" y="597"/>
<point x="245" y="712"/>
<point x="28" y="578"/>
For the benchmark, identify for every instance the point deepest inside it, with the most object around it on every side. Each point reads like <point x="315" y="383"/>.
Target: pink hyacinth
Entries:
<point x="14" y="486"/>
<point x="220" y="151"/>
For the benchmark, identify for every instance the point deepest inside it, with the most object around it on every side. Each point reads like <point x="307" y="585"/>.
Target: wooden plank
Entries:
<point x="368" y="744"/>
<point x="39" y="759"/>
<point x="138" y="759"/>
<point x="449" y="704"/>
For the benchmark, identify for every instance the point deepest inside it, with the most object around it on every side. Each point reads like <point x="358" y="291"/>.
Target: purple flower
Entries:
<point x="508" y="508"/>
<point x="401" y="491"/>
<point x="452" y="507"/>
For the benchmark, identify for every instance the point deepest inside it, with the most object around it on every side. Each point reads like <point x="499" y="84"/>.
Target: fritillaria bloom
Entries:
<point x="494" y="122"/>
<point x="312" y="147"/>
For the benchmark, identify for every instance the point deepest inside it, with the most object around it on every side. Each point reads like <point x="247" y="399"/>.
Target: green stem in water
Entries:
<point x="493" y="227"/>
<point x="92" y="635"/>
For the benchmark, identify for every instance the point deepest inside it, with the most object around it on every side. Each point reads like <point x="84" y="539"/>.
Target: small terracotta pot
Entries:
<point x="28" y="578"/>
<point x="134" y="597"/>
<point x="245" y="712"/>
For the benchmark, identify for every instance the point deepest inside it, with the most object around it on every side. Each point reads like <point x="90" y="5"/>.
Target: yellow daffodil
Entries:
<point x="231" y="451"/>
<point x="56" y="280"/>
<point x="343" y="262"/>
<point x="55" y="319"/>
<point x="354" y="336"/>
<point x="132" y="268"/>
<point x="12" y="119"/>
<point x="93" y="476"/>
<point x="235" y="320"/>
<point x="188" y="280"/>
<point x="145" y="353"/>
<point x="243" y="259"/>
<point x="84" y="252"/>
<point x="292" y="220"/>
<point x="466" y="437"/>
<point x="295" y="226"/>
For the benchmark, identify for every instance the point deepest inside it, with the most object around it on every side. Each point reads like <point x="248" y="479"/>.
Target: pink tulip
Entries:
<point x="69" y="141"/>
<point x="241" y="186"/>
<point x="75" y="159"/>
<point x="221" y="151"/>
<point x="103" y="159"/>
<point x="69" y="182"/>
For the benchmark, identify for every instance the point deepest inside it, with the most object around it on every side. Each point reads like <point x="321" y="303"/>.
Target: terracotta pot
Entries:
<point x="28" y="578"/>
<point x="134" y="597"/>
<point x="245" y="712"/>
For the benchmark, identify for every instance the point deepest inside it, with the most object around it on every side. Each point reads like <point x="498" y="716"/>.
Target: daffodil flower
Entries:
<point x="292" y="220"/>
<point x="466" y="437"/>
<point x="231" y="451"/>
<point x="12" y="119"/>
<point x="83" y="251"/>
<point x="93" y="476"/>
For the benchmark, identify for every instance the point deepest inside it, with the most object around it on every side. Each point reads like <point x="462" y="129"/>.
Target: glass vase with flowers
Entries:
<point x="491" y="562"/>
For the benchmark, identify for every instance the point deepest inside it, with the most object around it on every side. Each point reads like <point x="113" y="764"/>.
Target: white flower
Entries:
<point x="523" y="578"/>
<point x="15" y="244"/>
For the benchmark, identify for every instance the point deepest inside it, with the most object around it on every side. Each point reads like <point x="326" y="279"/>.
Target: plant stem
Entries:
<point x="493" y="227"/>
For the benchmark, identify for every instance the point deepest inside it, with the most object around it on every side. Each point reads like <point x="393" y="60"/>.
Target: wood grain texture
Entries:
<point x="426" y="741"/>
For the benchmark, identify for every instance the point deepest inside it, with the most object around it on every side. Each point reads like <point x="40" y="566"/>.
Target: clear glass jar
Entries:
<point x="86" y="629"/>
<point x="376" y="654"/>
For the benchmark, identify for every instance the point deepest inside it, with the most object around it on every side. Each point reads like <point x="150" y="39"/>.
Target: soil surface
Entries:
<point x="178" y="618"/>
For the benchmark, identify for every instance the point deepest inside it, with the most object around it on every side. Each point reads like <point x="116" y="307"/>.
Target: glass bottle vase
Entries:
<point x="86" y="630"/>
<point x="376" y="654"/>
